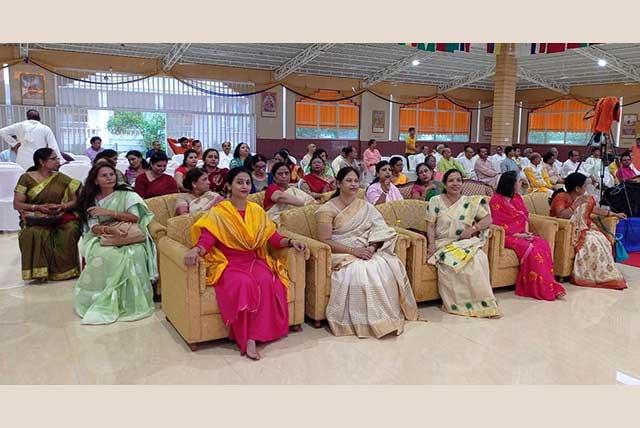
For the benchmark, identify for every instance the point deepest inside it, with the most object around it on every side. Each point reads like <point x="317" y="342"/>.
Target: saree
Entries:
<point x="274" y="210"/>
<point x="115" y="284"/>
<point x="593" y="265"/>
<point x="199" y="204"/>
<point x="535" y="278"/>
<point x="368" y="297"/>
<point x="218" y="179"/>
<point x="163" y="185"/>
<point x="250" y="285"/>
<point x="318" y="184"/>
<point x="328" y="171"/>
<point x="49" y="252"/>
<point x="463" y="267"/>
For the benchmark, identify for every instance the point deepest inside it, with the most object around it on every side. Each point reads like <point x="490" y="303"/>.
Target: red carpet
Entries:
<point x="633" y="260"/>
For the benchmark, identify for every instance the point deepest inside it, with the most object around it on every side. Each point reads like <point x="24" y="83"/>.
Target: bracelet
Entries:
<point x="33" y="208"/>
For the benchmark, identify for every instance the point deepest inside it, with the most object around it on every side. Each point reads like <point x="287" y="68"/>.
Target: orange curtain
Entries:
<point x="407" y="119"/>
<point x="348" y="116"/>
<point x="462" y="122"/>
<point x="306" y="114"/>
<point x="328" y="116"/>
<point x="426" y="122"/>
<point x="536" y="122"/>
<point x="563" y="115"/>
<point x="445" y="122"/>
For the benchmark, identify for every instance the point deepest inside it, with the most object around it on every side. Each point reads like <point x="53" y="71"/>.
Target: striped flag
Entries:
<point x="495" y="48"/>
<point x="439" y="47"/>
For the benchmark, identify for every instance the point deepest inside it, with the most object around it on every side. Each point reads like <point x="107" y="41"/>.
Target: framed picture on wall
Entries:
<point x="378" y="121"/>
<point x="32" y="88"/>
<point x="488" y="125"/>
<point x="629" y="125"/>
<point x="269" y="104"/>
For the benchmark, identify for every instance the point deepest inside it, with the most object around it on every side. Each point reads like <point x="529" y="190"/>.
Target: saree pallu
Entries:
<point x="115" y="284"/>
<point x="535" y="278"/>
<point x="275" y="210"/>
<point x="49" y="252"/>
<point x="463" y="268"/>
<point x="368" y="297"/>
<point x="594" y="265"/>
<point x="218" y="179"/>
<point x="318" y="184"/>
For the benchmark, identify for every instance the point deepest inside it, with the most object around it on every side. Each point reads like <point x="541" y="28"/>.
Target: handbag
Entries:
<point x="40" y="219"/>
<point x="620" y="253"/>
<point x="126" y="234"/>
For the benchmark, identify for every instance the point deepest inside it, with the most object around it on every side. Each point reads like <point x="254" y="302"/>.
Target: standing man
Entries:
<point x="410" y="144"/>
<point x="95" y="148"/>
<point x="225" y="156"/>
<point x="31" y="135"/>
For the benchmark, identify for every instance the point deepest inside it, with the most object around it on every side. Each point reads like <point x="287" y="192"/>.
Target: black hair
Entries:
<point x="206" y="153"/>
<point x="192" y="176"/>
<point x="371" y="141"/>
<point x="394" y="160"/>
<point x="106" y="155"/>
<point x="196" y="141"/>
<point x="258" y="158"/>
<point x="40" y="155"/>
<point x="186" y="155"/>
<point x="468" y="146"/>
<point x="429" y="157"/>
<point x="90" y="190"/>
<point x="158" y="157"/>
<point x="94" y="139"/>
<point x="318" y="152"/>
<point x="284" y="154"/>
<point x="236" y="151"/>
<point x="33" y="114"/>
<point x="182" y="140"/>
<point x="446" y="177"/>
<point x="594" y="149"/>
<point x="573" y="151"/>
<point x="507" y="184"/>
<point x="411" y="129"/>
<point x="137" y="154"/>
<point x="625" y="154"/>
<point x="347" y="150"/>
<point x="314" y="157"/>
<point x="276" y="166"/>
<point x="379" y="166"/>
<point x="574" y="180"/>
<point x="547" y="156"/>
<point x="508" y="150"/>
<point x="341" y="175"/>
<point x="234" y="173"/>
<point x="418" y="180"/>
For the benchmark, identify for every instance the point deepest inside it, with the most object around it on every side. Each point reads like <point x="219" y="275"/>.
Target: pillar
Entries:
<point x="504" y="96"/>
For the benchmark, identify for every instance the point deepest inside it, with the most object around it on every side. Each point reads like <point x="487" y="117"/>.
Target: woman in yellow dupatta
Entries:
<point x="250" y="285"/>
<point x="49" y="229"/>
<point x="457" y="230"/>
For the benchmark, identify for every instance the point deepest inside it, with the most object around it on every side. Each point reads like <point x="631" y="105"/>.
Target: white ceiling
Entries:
<point x="361" y="60"/>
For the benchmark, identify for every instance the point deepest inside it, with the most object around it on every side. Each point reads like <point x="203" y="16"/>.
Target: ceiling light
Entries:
<point x="602" y="62"/>
<point x="415" y="62"/>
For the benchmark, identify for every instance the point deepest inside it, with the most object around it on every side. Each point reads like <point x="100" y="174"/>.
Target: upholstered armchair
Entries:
<point x="563" y="250"/>
<point x="163" y="208"/>
<point x="190" y="304"/>
<point x="300" y="223"/>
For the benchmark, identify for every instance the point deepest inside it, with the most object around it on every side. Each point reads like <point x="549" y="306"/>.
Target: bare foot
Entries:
<point x="252" y="352"/>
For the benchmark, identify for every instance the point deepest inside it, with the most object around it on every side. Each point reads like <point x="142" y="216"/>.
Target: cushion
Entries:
<point x="162" y="207"/>
<point x="475" y="187"/>
<point x="179" y="229"/>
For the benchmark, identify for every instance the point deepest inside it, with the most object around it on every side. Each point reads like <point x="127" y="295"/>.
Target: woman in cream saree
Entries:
<point x="370" y="291"/>
<point x="280" y="197"/>
<point x="457" y="229"/>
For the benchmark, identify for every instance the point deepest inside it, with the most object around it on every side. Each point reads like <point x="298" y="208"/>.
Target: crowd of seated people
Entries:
<point x="370" y="292"/>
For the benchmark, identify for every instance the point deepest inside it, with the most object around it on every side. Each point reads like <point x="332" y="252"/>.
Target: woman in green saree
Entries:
<point x="116" y="281"/>
<point x="49" y="229"/>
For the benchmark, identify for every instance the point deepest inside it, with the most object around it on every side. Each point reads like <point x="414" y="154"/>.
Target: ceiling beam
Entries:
<point x="172" y="57"/>
<point x="304" y="57"/>
<point x="476" y="76"/>
<point x="545" y="82"/>
<point x="395" y="68"/>
<point x="613" y="62"/>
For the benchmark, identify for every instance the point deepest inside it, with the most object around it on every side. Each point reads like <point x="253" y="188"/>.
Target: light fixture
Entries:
<point x="415" y="62"/>
<point x="602" y="62"/>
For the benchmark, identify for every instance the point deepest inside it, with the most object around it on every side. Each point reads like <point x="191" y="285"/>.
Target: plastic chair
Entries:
<point x="9" y="175"/>
<point x="77" y="170"/>
<point x="178" y="159"/>
<point x="412" y="162"/>
<point x="80" y="158"/>
<point x="122" y="165"/>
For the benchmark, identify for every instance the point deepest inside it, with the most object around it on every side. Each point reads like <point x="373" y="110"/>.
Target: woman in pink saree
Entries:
<point x="508" y="210"/>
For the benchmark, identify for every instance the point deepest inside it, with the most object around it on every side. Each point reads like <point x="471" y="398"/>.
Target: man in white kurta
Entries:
<point x="468" y="162"/>
<point x="32" y="135"/>
<point x="497" y="158"/>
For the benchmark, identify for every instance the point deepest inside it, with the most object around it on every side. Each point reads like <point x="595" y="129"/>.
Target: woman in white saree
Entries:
<point x="370" y="291"/>
<point x="280" y="196"/>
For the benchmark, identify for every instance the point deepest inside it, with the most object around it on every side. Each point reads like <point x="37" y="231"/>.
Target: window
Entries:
<point x="436" y="120"/>
<point x="327" y="120"/>
<point x="560" y="123"/>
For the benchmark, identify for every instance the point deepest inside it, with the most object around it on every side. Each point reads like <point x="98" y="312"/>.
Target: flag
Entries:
<point x="495" y="48"/>
<point x="439" y="47"/>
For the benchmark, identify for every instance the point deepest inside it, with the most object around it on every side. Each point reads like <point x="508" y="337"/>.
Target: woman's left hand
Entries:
<point x="98" y="212"/>
<point x="468" y="233"/>
<point x="621" y="216"/>
<point x="299" y="246"/>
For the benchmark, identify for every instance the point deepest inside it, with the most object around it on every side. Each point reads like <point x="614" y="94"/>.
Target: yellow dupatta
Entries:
<point x="249" y="234"/>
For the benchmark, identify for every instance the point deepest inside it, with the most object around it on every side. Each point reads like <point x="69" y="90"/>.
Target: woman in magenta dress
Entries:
<point x="250" y="286"/>
<point x="508" y="210"/>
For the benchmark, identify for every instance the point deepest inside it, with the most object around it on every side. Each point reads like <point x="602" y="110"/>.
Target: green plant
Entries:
<point x="151" y="126"/>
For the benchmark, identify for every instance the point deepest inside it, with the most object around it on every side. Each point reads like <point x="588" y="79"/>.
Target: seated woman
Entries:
<point x="370" y="291"/>
<point x="432" y="164"/>
<point x="240" y="156"/>
<point x="110" y="156"/>
<point x="397" y="165"/>
<point x="197" y="146"/>
<point x="382" y="189"/>
<point x="250" y="286"/>
<point x="328" y="171"/>
<point x="457" y="229"/>
<point x="189" y="162"/>
<point x="217" y="176"/>
<point x="316" y="183"/>
<point x="49" y="228"/>
<point x="199" y="198"/>
<point x="297" y="173"/>
<point x="425" y="187"/>
<point x="259" y="175"/>
<point x="509" y="211"/>
<point x="594" y="265"/>
<point x="279" y="196"/>
<point x="154" y="182"/>
<point x="537" y="176"/>
<point x="116" y="281"/>
<point x="137" y="165"/>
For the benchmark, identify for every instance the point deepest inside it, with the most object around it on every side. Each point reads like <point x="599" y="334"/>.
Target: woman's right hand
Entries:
<point x="362" y="253"/>
<point x="192" y="256"/>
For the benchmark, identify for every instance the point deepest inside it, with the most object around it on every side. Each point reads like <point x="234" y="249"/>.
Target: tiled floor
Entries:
<point x="589" y="338"/>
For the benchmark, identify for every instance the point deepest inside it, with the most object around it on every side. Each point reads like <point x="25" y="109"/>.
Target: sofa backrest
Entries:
<point x="179" y="229"/>
<point x="475" y="187"/>
<point x="537" y="203"/>
<point x="408" y="214"/>
<point x="301" y="220"/>
<point x="163" y="207"/>
<point x="258" y="198"/>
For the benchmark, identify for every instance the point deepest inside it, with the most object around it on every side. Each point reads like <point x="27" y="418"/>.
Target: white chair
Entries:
<point x="77" y="170"/>
<point x="122" y="165"/>
<point x="200" y="164"/>
<point x="80" y="158"/>
<point x="413" y="162"/>
<point x="178" y="159"/>
<point x="9" y="175"/>
<point x="385" y="158"/>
